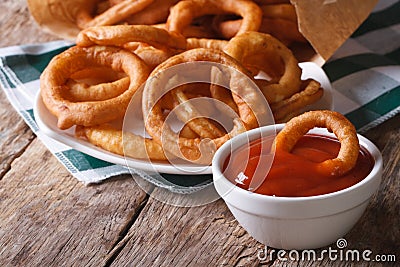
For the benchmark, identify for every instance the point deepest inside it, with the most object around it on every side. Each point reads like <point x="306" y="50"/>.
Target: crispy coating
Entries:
<point x="254" y="49"/>
<point x="127" y="144"/>
<point x="113" y="15"/>
<point x="190" y="149"/>
<point x="120" y="35"/>
<point x="333" y="121"/>
<point x="183" y="13"/>
<point x="88" y="113"/>
<point x="288" y="108"/>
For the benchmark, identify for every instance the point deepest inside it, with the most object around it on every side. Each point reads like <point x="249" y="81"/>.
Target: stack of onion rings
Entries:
<point x="190" y="148"/>
<point x="70" y="112"/>
<point x="90" y="85"/>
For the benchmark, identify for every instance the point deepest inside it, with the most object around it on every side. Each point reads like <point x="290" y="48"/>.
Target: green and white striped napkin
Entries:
<point x="365" y="74"/>
<point x="365" y="71"/>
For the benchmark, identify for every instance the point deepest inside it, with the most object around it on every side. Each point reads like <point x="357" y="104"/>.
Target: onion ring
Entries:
<point x="281" y="11"/>
<point x="113" y="15"/>
<point x="193" y="31"/>
<point x="120" y="35"/>
<point x="111" y="139"/>
<point x="333" y="121"/>
<point x="205" y="43"/>
<point x="270" y="2"/>
<point x="88" y="113"/>
<point x="79" y="92"/>
<point x="284" y="30"/>
<point x="200" y="125"/>
<point x="254" y="48"/>
<point x="190" y="149"/>
<point x="96" y="84"/>
<point x="153" y="56"/>
<point x="182" y="14"/>
<point x="156" y="12"/>
<point x="291" y="107"/>
<point x="220" y="93"/>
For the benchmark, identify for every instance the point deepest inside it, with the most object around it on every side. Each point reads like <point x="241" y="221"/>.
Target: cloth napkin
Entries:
<point x="364" y="72"/>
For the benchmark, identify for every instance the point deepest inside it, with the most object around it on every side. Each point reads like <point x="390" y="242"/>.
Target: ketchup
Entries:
<point x="292" y="174"/>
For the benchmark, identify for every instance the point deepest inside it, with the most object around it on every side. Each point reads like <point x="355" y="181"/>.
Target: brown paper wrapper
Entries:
<point x="327" y="24"/>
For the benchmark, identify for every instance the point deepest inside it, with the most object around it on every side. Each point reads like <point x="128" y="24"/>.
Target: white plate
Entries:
<point x="48" y="124"/>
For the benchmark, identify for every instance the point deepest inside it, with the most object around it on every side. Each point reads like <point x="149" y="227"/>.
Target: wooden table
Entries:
<point x="48" y="218"/>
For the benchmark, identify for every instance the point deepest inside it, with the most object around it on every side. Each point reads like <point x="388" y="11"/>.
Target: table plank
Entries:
<point x="17" y="25"/>
<point x="15" y="134"/>
<point x="166" y="235"/>
<point x="48" y="218"/>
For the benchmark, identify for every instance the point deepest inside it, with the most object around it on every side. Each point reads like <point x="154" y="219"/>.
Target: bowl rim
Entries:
<point x="372" y="179"/>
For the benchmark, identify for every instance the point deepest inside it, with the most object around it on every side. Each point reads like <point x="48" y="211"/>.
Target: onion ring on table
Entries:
<point x="333" y="121"/>
<point x="182" y="14"/>
<point x="191" y="149"/>
<point x="120" y="35"/>
<point x="113" y="15"/>
<point x="127" y="144"/>
<point x="254" y="49"/>
<point x="288" y="108"/>
<point x="88" y="113"/>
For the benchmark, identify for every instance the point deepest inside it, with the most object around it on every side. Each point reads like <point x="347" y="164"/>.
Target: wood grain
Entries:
<point x="48" y="218"/>
<point x="17" y="27"/>
<point x="165" y="235"/>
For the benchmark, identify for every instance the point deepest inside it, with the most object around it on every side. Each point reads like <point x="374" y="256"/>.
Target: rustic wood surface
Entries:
<point x="48" y="218"/>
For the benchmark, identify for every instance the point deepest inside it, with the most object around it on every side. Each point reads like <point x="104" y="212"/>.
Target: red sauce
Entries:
<point x="292" y="174"/>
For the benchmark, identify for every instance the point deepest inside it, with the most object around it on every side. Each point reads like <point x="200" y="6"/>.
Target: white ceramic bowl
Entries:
<point x="295" y="222"/>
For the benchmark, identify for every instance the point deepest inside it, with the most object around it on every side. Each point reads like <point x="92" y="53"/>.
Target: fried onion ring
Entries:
<point x="84" y="92"/>
<point x="254" y="49"/>
<point x="120" y="35"/>
<point x="200" y="125"/>
<point x="333" y="121"/>
<point x="153" y="56"/>
<point x="156" y="12"/>
<point x="205" y="43"/>
<point x="283" y="28"/>
<point x="293" y="106"/>
<point x="88" y="113"/>
<point x="182" y="14"/>
<point x="113" y="15"/>
<point x="281" y="11"/>
<point x="190" y="149"/>
<point x="127" y="144"/>
<point x="96" y="84"/>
